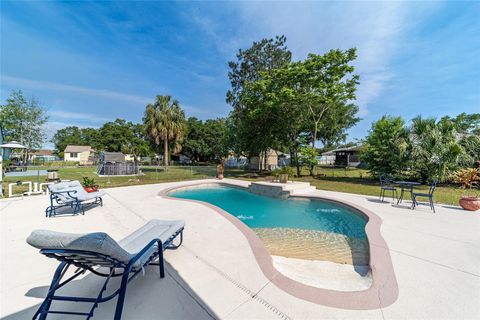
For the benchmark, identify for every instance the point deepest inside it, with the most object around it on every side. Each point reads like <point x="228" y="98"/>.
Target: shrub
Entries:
<point x="467" y="178"/>
<point x="283" y="170"/>
<point x="385" y="146"/>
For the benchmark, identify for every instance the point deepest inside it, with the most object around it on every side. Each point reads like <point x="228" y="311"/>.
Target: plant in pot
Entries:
<point x="468" y="179"/>
<point x="89" y="184"/>
<point x="283" y="173"/>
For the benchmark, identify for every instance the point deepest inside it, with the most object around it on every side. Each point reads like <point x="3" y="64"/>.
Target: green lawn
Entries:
<point x="344" y="180"/>
<point x="357" y="181"/>
<point x="150" y="175"/>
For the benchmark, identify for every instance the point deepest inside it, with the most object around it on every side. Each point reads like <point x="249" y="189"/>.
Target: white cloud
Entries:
<point x="77" y="116"/>
<point x="377" y="30"/>
<point x="46" y="85"/>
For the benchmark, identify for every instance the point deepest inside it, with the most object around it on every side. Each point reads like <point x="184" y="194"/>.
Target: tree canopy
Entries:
<point x="427" y="149"/>
<point x="385" y="148"/>
<point x="23" y="120"/>
<point x="206" y="140"/>
<point x="289" y="103"/>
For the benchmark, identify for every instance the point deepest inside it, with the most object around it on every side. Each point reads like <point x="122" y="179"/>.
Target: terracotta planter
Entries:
<point x="283" y="178"/>
<point x="91" y="189"/>
<point x="470" y="203"/>
<point x="220" y="171"/>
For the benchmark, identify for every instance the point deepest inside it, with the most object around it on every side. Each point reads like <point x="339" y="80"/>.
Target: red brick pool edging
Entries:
<point x="383" y="291"/>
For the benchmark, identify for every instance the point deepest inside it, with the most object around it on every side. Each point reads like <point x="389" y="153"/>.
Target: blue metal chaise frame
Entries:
<point x="77" y="205"/>
<point x="87" y="261"/>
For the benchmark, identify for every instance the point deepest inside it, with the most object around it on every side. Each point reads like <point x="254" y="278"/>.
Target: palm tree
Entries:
<point x="436" y="148"/>
<point x="165" y="121"/>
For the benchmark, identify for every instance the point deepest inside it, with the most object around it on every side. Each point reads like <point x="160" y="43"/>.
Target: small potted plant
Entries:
<point x="284" y="173"/>
<point x="89" y="184"/>
<point x="468" y="179"/>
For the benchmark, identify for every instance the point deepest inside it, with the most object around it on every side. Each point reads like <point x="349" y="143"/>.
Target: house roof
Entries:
<point x="42" y="152"/>
<point x="73" y="148"/>
<point x="331" y="152"/>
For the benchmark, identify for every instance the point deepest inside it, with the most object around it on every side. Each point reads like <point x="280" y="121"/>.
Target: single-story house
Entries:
<point x="42" y="155"/>
<point x="84" y="155"/>
<point x="258" y="162"/>
<point x="345" y="157"/>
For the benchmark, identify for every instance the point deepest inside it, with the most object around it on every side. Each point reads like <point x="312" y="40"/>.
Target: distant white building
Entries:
<point x="42" y="155"/>
<point x="84" y="155"/>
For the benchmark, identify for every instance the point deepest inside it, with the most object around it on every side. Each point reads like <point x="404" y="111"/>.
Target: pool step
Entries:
<point x="280" y="190"/>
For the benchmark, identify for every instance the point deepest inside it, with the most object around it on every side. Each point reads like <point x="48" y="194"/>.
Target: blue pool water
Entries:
<point x="264" y="212"/>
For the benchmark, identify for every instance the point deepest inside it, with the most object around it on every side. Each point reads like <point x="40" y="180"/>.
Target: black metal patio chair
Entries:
<point x="428" y="195"/>
<point x="96" y="252"/>
<point x="387" y="185"/>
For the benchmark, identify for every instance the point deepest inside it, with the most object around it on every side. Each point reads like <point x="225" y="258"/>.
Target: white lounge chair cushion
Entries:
<point x="101" y="242"/>
<point x="76" y="191"/>
<point x="154" y="229"/>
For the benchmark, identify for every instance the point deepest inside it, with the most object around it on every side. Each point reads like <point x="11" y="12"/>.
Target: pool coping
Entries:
<point x="383" y="291"/>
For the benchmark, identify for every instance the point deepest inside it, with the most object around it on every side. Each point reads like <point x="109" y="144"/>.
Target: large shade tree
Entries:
<point x="165" y="122"/>
<point x="23" y="120"/>
<point x="252" y="65"/>
<point x="327" y="85"/>
<point x="292" y="103"/>
<point x="263" y="56"/>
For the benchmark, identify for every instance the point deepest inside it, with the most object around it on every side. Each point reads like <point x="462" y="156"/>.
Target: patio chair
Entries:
<point x="71" y="194"/>
<point x="428" y="195"/>
<point x="86" y="252"/>
<point x="386" y="185"/>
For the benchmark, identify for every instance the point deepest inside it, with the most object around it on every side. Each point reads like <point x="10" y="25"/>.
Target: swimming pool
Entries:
<point x="293" y="227"/>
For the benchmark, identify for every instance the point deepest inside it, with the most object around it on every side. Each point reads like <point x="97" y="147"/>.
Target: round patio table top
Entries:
<point x="407" y="183"/>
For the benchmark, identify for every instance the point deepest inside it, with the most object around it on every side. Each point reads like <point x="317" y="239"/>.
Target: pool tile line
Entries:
<point x="384" y="282"/>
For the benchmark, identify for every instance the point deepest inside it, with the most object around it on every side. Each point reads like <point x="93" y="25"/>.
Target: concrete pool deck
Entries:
<point x="436" y="258"/>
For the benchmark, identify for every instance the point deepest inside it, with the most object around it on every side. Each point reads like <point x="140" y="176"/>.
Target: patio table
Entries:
<point x="405" y="185"/>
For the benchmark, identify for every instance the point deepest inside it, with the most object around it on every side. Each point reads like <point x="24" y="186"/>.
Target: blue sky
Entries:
<point x="91" y="62"/>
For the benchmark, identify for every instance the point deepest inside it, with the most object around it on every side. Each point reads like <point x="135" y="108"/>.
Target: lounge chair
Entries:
<point x="125" y="258"/>
<point x="71" y="194"/>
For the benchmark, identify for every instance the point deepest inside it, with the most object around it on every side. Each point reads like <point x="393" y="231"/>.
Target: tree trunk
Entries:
<point x="314" y="136"/>
<point x="165" y="153"/>
<point x="297" y="164"/>
<point x="265" y="161"/>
